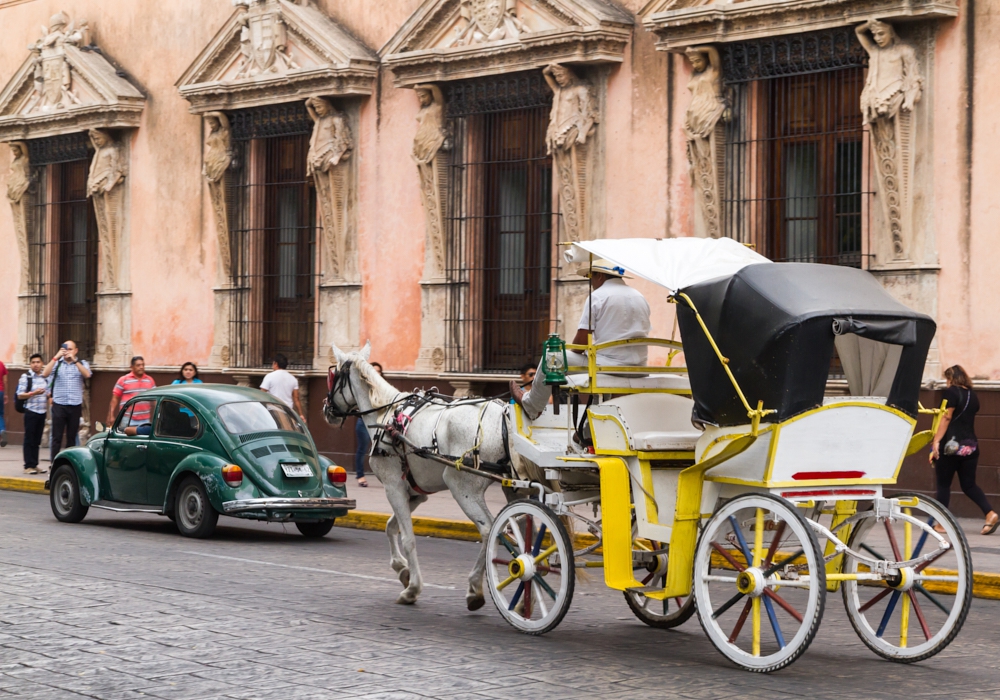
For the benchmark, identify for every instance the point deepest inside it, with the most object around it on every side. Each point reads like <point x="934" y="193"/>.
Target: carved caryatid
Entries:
<point x="489" y="20"/>
<point x="892" y="88"/>
<point x="218" y="156"/>
<point x="572" y="122"/>
<point x="53" y="76"/>
<point x="18" y="184"/>
<point x="704" y="138"/>
<point x="327" y="163"/>
<point x="263" y="39"/>
<point x="105" y="187"/>
<point x="431" y="148"/>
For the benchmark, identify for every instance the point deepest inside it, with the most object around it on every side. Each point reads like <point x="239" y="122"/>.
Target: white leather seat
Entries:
<point x="666" y="441"/>
<point x="638" y="381"/>
<point x="657" y="422"/>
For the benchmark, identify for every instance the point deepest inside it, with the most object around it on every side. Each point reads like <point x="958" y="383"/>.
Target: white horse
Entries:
<point x="456" y="429"/>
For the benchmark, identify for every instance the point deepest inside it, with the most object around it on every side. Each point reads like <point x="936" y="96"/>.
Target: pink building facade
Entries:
<point x="219" y="181"/>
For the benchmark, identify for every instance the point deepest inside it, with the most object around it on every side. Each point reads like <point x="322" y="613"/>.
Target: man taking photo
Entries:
<point x="68" y="374"/>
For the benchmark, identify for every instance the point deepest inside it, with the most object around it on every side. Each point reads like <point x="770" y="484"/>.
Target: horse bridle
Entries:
<point x="340" y="379"/>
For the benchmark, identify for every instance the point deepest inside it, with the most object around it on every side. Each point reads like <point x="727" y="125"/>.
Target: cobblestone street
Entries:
<point x="122" y="607"/>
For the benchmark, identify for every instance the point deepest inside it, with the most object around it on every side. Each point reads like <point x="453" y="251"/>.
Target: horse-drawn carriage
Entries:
<point x="731" y="486"/>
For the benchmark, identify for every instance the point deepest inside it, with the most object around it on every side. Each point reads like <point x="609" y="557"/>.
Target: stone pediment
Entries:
<point x="453" y="39"/>
<point x="682" y="23"/>
<point x="66" y="85"/>
<point x="275" y="51"/>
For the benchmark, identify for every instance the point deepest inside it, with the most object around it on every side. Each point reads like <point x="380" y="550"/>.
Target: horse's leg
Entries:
<point x="470" y="493"/>
<point x="398" y="562"/>
<point x="385" y="469"/>
<point x="397" y="492"/>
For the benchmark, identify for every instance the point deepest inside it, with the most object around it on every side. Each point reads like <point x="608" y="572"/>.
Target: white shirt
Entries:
<point x="620" y="313"/>
<point x="280" y="384"/>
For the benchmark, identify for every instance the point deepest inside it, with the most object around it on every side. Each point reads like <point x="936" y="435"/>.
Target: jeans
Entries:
<point x="34" y="425"/>
<point x="64" y="419"/>
<point x="364" y="441"/>
<point x="947" y="466"/>
<point x="3" y="424"/>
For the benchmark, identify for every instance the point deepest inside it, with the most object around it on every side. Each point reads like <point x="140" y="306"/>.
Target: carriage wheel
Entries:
<point x="651" y="570"/>
<point x="530" y="572"/>
<point x="759" y="582"/>
<point x="922" y="608"/>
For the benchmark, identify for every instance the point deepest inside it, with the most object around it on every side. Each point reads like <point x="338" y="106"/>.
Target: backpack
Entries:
<point x="18" y="401"/>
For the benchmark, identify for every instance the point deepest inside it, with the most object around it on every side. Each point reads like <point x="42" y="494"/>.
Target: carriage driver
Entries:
<point x="620" y="313"/>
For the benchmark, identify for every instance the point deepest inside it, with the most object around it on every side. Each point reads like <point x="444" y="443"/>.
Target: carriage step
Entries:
<point x="646" y="590"/>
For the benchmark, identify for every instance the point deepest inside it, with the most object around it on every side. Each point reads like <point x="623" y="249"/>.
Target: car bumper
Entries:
<point x="288" y="505"/>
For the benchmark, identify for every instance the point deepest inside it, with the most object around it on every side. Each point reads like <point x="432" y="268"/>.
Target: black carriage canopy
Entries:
<point x="779" y="325"/>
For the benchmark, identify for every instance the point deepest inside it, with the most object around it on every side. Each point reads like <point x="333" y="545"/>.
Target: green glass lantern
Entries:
<point x="555" y="363"/>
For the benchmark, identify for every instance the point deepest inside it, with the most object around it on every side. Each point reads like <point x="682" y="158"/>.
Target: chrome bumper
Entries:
<point x="289" y="504"/>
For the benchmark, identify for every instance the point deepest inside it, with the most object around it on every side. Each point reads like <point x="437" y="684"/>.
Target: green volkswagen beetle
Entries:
<point x="195" y="451"/>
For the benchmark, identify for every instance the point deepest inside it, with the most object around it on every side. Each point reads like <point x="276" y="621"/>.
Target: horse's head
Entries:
<point x="343" y="382"/>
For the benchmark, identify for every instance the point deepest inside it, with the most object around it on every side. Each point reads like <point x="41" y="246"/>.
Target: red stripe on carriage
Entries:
<point x="828" y="492"/>
<point x="808" y="476"/>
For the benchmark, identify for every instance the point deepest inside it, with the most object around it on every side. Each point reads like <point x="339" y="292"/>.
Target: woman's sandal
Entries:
<point x="990" y="527"/>
<point x="363" y="482"/>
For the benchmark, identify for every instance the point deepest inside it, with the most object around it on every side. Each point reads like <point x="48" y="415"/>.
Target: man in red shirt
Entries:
<point x="135" y="382"/>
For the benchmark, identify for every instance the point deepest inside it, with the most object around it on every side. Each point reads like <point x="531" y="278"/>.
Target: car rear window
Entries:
<point x="255" y="416"/>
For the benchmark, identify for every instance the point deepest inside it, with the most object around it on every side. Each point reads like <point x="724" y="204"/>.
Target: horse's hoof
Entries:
<point x="475" y="603"/>
<point x="403" y="599"/>
<point x="404" y="578"/>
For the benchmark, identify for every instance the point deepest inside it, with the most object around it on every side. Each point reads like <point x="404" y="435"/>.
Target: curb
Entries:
<point x="984" y="585"/>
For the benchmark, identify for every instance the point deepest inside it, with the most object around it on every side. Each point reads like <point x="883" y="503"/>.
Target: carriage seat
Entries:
<point x="652" y="423"/>
<point x="631" y="381"/>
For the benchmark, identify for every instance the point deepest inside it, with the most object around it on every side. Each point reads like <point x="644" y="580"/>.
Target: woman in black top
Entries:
<point x="957" y="435"/>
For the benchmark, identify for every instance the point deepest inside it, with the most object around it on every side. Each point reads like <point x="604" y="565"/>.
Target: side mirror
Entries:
<point x="99" y="426"/>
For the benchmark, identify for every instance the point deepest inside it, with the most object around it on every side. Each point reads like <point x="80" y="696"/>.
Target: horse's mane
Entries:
<point x="380" y="391"/>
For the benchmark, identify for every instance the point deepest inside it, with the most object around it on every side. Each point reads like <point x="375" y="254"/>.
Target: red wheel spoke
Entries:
<point x="940" y="553"/>
<point x="920" y="615"/>
<point x="892" y="540"/>
<point x="774" y="544"/>
<point x="783" y="603"/>
<point x="680" y="602"/>
<point x="548" y="569"/>
<point x="740" y="621"/>
<point x="648" y="578"/>
<point x="875" y="600"/>
<point x="527" y="600"/>
<point x="505" y="562"/>
<point x="727" y="556"/>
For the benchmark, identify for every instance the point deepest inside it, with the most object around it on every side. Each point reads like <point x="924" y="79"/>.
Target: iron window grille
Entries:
<point x="273" y="232"/>
<point x="499" y="222"/>
<point x="61" y="301"/>
<point x="796" y="183"/>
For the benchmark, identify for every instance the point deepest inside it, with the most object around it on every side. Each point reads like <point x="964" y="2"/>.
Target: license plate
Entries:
<point x="296" y="470"/>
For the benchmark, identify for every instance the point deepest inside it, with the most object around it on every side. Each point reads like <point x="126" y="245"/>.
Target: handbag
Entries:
<point x="961" y="448"/>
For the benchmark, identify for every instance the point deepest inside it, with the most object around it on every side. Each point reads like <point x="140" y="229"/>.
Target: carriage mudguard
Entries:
<point x="86" y="462"/>
<point x="208" y="467"/>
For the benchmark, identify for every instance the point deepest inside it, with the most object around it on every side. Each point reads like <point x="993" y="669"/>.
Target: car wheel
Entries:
<point x="315" y="528"/>
<point x="64" y="496"/>
<point x="193" y="512"/>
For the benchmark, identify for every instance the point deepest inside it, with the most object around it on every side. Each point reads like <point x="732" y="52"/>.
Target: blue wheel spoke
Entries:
<point x="739" y="536"/>
<point x="517" y="596"/>
<point x="888" y="613"/>
<point x="538" y="541"/>
<point x="774" y="622"/>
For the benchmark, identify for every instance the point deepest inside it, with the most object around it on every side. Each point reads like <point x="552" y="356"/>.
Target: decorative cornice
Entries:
<point x="726" y="22"/>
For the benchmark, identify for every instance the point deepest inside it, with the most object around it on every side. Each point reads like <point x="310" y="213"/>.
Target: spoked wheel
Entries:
<point x="651" y="569"/>
<point x="758" y="562"/>
<point x="922" y="608"/>
<point x="530" y="573"/>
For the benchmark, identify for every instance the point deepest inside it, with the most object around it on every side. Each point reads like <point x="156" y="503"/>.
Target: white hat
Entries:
<point x="602" y="266"/>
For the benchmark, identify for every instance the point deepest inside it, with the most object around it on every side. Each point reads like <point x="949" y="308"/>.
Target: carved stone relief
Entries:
<point x="572" y="123"/>
<point x="489" y="20"/>
<point x="702" y="129"/>
<point x="263" y="40"/>
<point x="53" y="75"/>
<point x="105" y="187"/>
<point x="893" y="86"/>
<point x="327" y="163"/>
<point x="217" y="158"/>
<point x="431" y="147"/>
<point x="18" y="184"/>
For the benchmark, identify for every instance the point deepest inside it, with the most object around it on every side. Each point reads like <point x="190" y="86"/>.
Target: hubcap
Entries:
<point x="903" y="581"/>
<point x="191" y="507"/>
<point x="523" y="567"/>
<point x="751" y="582"/>
<point x="64" y="495"/>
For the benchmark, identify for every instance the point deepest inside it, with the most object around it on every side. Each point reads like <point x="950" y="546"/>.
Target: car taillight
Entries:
<point x="232" y="475"/>
<point x="336" y="475"/>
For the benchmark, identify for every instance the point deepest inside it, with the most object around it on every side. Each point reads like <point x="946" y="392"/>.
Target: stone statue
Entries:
<point x="53" y="76"/>
<point x="430" y="151"/>
<point x="489" y="20"/>
<point x="327" y="163"/>
<point x="263" y="39"/>
<point x="704" y="138"/>
<point x="18" y="184"/>
<point x="218" y="156"/>
<point x="892" y="88"/>
<point x="105" y="188"/>
<point x="571" y="123"/>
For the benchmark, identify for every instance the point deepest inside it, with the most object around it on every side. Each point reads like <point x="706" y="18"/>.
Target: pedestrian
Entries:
<point x="364" y="442"/>
<point x="188" y="375"/>
<point x="528" y="371"/>
<point x="135" y="382"/>
<point x="3" y="400"/>
<point x="66" y="373"/>
<point x="955" y="449"/>
<point x="32" y="389"/>
<point x="280" y="383"/>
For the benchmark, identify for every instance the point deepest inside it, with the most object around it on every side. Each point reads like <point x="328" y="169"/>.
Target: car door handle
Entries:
<point x="140" y="447"/>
